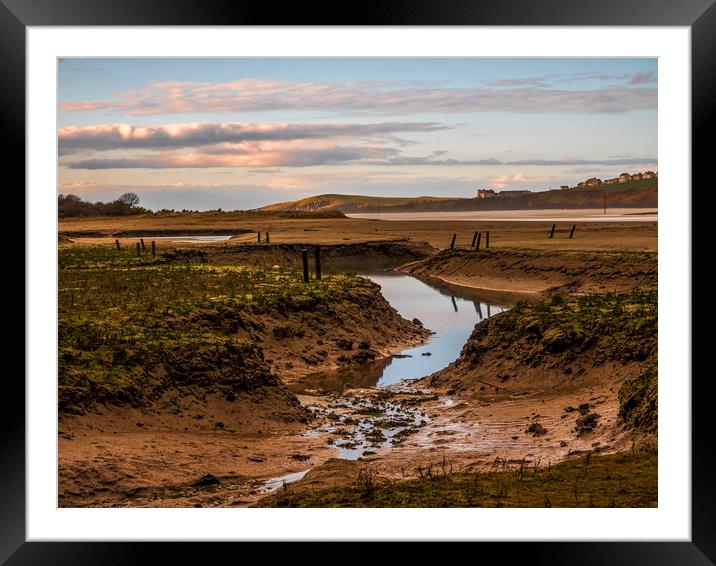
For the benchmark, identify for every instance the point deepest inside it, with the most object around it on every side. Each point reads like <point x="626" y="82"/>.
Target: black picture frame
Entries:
<point x="699" y="15"/>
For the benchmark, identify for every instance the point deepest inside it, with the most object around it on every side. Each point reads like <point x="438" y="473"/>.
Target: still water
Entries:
<point x="190" y="239"/>
<point x="449" y="315"/>
<point x="449" y="312"/>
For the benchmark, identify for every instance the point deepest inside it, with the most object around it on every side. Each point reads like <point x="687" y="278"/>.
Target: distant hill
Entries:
<point x="633" y="194"/>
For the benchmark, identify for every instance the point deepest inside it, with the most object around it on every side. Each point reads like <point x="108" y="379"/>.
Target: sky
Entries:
<point x="234" y="133"/>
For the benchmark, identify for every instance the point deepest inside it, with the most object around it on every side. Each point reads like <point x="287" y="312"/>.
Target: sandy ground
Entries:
<point x="532" y="272"/>
<point x="622" y="235"/>
<point x="475" y="435"/>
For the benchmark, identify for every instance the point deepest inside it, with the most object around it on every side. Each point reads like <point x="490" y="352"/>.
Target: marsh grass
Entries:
<point x="120" y="316"/>
<point x="627" y="479"/>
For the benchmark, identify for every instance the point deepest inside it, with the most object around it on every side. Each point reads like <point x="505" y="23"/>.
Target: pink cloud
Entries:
<point x="247" y="95"/>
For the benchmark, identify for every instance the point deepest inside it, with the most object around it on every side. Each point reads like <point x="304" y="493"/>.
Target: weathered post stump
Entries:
<point x="304" y="257"/>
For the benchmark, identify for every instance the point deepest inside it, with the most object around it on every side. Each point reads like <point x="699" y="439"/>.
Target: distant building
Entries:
<point x="592" y="182"/>
<point x="611" y="181"/>
<point x="648" y="175"/>
<point x="636" y="177"/>
<point x="485" y="193"/>
<point x="624" y="177"/>
<point x="563" y="187"/>
<point x="580" y="184"/>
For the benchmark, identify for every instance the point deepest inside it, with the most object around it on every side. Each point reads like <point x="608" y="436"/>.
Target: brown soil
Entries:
<point x="344" y="335"/>
<point x="529" y="271"/>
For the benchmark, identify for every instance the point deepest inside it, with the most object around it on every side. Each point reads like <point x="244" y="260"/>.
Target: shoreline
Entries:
<point x="534" y="215"/>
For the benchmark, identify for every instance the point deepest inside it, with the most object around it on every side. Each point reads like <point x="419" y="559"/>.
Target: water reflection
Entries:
<point x="449" y="311"/>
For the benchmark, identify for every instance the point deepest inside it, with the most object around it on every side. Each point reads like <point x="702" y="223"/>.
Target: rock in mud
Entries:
<point x="536" y="429"/>
<point x="586" y="423"/>
<point x="207" y="479"/>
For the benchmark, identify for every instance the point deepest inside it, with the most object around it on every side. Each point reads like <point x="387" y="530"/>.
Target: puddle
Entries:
<point x="359" y="427"/>
<point x="275" y="483"/>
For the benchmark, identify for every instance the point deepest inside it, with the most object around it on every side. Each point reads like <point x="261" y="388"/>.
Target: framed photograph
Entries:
<point x="407" y="277"/>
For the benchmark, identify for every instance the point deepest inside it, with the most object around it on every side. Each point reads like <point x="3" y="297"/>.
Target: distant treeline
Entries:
<point x="71" y="206"/>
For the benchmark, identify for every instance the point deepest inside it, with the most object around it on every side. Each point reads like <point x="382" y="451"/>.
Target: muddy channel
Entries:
<point x="371" y="408"/>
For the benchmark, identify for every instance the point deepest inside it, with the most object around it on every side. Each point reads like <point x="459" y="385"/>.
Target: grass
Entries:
<point x="617" y="326"/>
<point x="627" y="479"/>
<point x="128" y="326"/>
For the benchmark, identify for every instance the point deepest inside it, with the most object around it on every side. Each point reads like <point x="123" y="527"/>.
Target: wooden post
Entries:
<point x="452" y="244"/>
<point x="479" y="237"/>
<point x="454" y="304"/>
<point x="259" y="236"/>
<point x="571" y="233"/>
<point x="116" y="243"/>
<point x="139" y="250"/>
<point x="551" y="234"/>
<point x="487" y="240"/>
<point x="474" y="238"/>
<point x="605" y="204"/>
<point x="268" y="238"/>
<point x="304" y="257"/>
<point x="318" y="262"/>
<point x="154" y="248"/>
<point x="141" y="240"/>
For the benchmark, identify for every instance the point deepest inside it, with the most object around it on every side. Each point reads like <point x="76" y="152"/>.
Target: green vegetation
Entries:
<point x="129" y="327"/>
<point x="627" y="479"/>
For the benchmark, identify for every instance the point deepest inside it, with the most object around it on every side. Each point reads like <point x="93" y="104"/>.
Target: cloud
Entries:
<point x="282" y="154"/>
<point x="246" y="156"/>
<point x="538" y="81"/>
<point x="126" y="136"/>
<point x="522" y="180"/>
<point x="380" y="97"/>
<point x="641" y="78"/>
<point x="76" y="185"/>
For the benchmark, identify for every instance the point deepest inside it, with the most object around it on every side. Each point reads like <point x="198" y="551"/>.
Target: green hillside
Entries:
<point x="633" y="194"/>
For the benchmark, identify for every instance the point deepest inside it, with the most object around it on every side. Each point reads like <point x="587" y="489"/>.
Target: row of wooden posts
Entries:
<point x="476" y="238"/>
<point x="304" y="255"/>
<point x="571" y="232"/>
<point x="140" y="247"/>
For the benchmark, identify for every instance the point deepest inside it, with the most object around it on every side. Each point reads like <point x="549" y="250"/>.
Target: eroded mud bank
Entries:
<point x="537" y="272"/>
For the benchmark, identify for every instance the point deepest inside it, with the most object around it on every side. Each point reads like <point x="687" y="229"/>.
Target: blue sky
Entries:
<point x="240" y="133"/>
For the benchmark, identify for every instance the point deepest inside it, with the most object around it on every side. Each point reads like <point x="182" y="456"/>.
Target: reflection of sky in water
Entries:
<point x="451" y="318"/>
